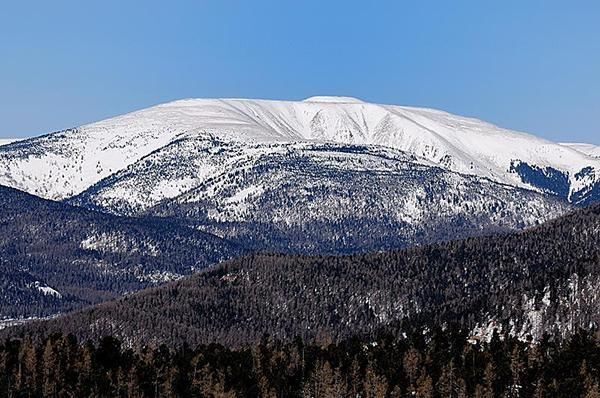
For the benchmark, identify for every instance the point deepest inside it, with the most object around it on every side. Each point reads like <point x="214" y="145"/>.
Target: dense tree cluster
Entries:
<point x="87" y="256"/>
<point x="544" y="280"/>
<point x="442" y="363"/>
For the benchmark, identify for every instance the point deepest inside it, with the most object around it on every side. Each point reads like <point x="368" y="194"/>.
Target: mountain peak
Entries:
<point x="334" y="99"/>
<point x="90" y="153"/>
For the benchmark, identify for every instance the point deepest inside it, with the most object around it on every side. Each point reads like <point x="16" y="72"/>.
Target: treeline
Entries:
<point x="442" y="363"/>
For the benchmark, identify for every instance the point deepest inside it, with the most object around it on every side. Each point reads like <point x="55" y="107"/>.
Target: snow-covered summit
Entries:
<point x="334" y="99"/>
<point x="66" y="163"/>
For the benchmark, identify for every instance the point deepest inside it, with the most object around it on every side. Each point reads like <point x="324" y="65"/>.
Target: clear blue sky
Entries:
<point x="528" y="65"/>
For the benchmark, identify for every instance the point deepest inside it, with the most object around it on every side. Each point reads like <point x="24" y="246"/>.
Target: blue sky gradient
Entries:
<point x="527" y="65"/>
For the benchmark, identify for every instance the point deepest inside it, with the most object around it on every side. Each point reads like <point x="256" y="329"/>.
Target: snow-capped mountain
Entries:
<point x="328" y="174"/>
<point x="64" y="164"/>
<point x="325" y="175"/>
<point x="315" y="197"/>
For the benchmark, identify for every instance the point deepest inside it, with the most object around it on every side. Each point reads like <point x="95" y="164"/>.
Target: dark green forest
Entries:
<point x="441" y="363"/>
<point x="544" y="280"/>
<point x="88" y="256"/>
<point x="388" y="324"/>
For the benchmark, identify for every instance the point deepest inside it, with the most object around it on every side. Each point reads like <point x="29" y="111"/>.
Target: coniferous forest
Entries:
<point x="544" y="280"/>
<point x="441" y="363"/>
<point x="511" y="315"/>
<point x="299" y="199"/>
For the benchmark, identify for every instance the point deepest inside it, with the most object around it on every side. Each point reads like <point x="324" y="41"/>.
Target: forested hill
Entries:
<point x="55" y="257"/>
<point x="544" y="280"/>
<point x="440" y="364"/>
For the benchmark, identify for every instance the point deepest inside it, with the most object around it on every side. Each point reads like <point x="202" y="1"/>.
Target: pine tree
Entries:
<point x="85" y="370"/>
<point x="411" y="363"/>
<point x="356" y="379"/>
<point x="325" y="382"/>
<point x="375" y="385"/>
<point x="27" y="377"/>
<point x="489" y="379"/>
<point x="450" y="384"/>
<point x="424" y="386"/>
<point x="50" y="367"/>
<point x="517" y="367"/>
<point x="590" y="385"/>
<point x="540" y="389"/>
<point x="260" y="359"/>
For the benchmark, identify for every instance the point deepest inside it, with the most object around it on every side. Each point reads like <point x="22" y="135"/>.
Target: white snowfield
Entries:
<point x="588" y="149"/>
<point x="5" y="141"/>
<point x="64" y="164"/>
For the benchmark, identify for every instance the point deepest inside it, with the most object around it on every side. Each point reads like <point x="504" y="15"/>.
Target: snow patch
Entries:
<point x="118" y="243"/>
<point x="334" y="99"/>
<point x="42" y="287"/>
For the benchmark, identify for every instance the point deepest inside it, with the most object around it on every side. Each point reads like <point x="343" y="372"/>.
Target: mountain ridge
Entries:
<point x="55" y="257"/>
<point x="291" y="196"/>
<point x="460" y="144"/>
<point x="542" y="281"/>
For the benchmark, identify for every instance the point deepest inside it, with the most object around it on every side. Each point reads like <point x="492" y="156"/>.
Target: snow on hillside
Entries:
<point x="334" y="198"/>
<point x="315" y="197"/>
<point x="338" y="100"/>
<point x="66" y="163"/>
<point x="45" y="289"/>
<point x="588" y="149"/>
<point x="5" y="141"/>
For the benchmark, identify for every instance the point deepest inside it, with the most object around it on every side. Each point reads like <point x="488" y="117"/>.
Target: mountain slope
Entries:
<point x="5" y="141"/>
<point x="66" y="163"/>
<point x="588" y="149"/>
<point x="543" y="280"/>
<point x="55" y="257"/>
<point x="315" y="198"/>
